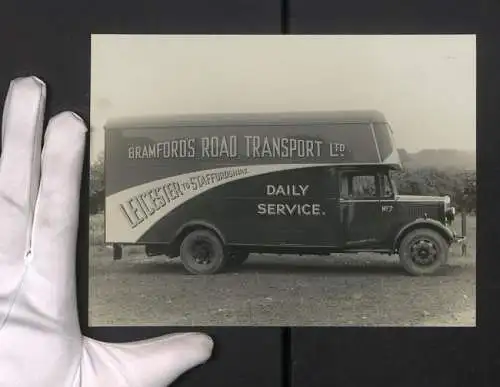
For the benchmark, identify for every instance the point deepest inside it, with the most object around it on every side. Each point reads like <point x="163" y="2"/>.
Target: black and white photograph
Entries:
<point x="283" y="180"/>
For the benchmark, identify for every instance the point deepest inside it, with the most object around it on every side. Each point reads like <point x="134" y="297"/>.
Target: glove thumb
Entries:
<point x="149" y="363"/>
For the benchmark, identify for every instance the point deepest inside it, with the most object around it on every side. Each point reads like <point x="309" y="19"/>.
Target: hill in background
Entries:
<point x="439" y="159"/>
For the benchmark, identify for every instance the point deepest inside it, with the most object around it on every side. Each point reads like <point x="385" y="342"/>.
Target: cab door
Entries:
<point x="389" y="224"/>
<point x="362" y="210"/>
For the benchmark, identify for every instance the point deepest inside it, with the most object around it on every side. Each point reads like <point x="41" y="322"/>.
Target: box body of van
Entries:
<point x="214" y="188"/>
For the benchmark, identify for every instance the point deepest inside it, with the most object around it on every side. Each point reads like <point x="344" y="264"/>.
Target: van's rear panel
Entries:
<point x="256" y="183"/>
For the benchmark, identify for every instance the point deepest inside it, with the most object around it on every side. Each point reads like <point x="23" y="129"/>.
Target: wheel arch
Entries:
<point x="419" y="224"/>
<point x="198" y="224"/>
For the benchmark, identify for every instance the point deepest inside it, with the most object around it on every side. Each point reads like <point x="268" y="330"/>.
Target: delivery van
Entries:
<point x="212" y="189"/>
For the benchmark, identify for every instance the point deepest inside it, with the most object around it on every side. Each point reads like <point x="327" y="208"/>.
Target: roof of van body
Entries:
<point x="224" y="119"/>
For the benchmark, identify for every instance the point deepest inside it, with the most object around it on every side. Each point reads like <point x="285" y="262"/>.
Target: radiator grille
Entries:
<point x="417" y="211"/>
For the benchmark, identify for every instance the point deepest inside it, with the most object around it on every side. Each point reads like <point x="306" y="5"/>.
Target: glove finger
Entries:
<point x="150" y="363"/>
<point x="20" y="163"/>
<point x="55" y="222"/>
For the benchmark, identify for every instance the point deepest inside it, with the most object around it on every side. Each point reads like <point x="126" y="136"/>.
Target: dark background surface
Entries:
<point x="52" y="40"/>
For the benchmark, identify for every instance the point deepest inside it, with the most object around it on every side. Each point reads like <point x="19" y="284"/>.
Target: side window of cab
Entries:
<point x="358" y="186"/>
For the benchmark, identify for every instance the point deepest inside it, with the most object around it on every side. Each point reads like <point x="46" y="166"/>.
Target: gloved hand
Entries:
<point x="40" y="340"/>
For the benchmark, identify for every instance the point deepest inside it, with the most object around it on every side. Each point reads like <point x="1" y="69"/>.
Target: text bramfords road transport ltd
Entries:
<point x="227" y="147"/>
<point x="141" y="206"/>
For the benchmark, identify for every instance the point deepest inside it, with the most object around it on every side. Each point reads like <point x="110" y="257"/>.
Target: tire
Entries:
<point x="423" y="251"/>
<point x="237" y="258"/>
<point x="202" y="252"/>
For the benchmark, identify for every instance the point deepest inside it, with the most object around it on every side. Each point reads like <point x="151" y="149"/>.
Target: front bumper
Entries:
<point x="458" y="239"/>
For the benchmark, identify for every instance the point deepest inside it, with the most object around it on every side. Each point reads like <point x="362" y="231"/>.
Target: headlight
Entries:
<point x="450" y="214"/>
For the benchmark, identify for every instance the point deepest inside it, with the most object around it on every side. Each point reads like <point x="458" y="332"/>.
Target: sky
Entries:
<point x="424" y="84"/>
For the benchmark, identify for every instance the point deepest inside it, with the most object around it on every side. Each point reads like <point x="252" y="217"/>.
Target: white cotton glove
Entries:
<point x="40" y="340"/>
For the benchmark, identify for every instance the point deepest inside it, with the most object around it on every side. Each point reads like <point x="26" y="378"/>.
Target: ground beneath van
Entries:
<point x="364" y="289"/>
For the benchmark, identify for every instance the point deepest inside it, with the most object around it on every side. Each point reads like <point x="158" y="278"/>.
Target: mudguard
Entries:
<point x="433" y="224"/>
<point x="200" y="223"/>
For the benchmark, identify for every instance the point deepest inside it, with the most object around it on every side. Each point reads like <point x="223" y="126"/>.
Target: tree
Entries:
<point x="466" y="198"/>
<point x="97" y="185"/>
<point x="459" y="185"/>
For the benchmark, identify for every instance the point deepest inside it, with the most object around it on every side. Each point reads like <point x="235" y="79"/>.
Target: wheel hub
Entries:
<point x="424" y="252"/>
<point x="202" y="252"/>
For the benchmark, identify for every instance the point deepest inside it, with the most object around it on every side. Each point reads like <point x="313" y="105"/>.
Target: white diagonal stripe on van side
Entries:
<point x="118" y="228"/>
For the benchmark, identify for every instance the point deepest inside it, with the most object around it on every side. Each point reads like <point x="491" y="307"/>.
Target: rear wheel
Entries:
<point x="202" y="252"/>
<point x="423" y="251"/>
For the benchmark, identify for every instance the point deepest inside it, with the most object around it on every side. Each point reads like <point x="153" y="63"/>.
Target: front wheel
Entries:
<point x="202" y="252"/>
<point x="423" y="251"/>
